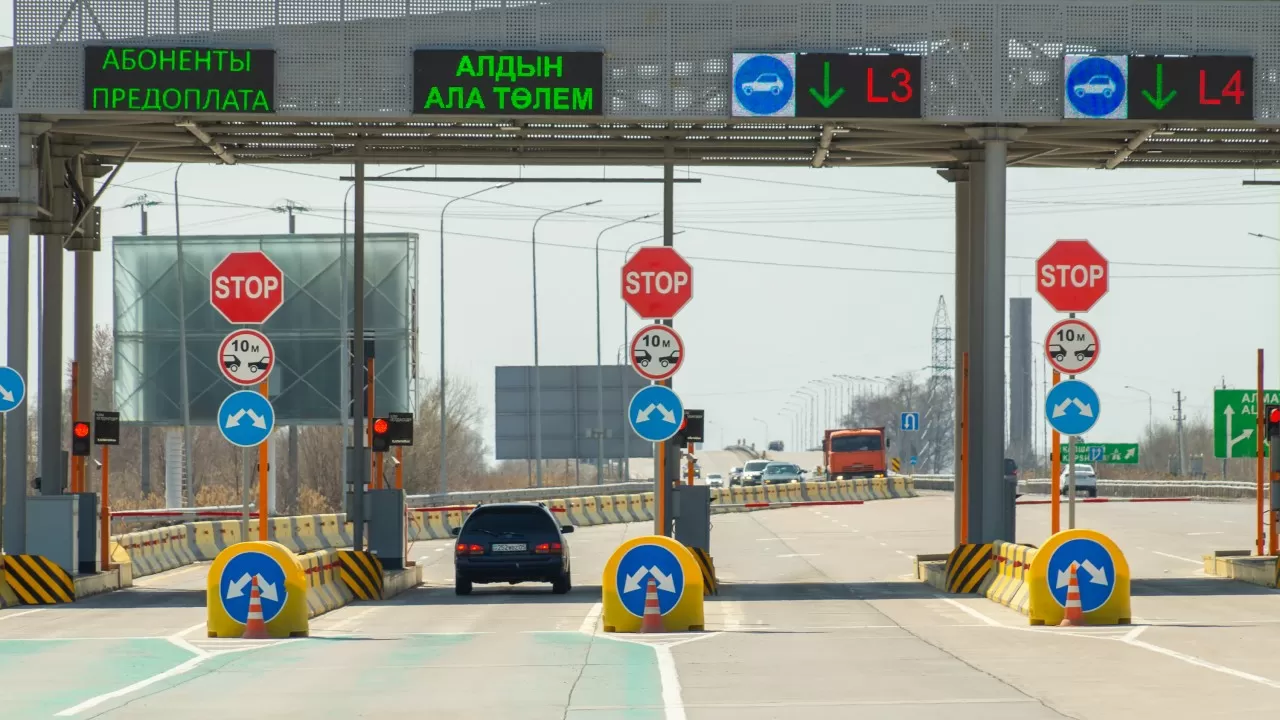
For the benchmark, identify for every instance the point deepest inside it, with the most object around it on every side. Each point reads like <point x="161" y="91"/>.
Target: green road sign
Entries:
<point x="1235" y="420"/>
<point x="1114" y="453"/>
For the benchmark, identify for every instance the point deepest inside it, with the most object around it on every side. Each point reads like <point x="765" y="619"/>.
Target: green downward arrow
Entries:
<point x="826" y="98"/>
<point x="1160" y="99"/>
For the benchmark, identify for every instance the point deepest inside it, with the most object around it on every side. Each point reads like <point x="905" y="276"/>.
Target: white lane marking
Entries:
<point x="899" y="552"/>
<point x="1133" y="634"/>
<point x="771" y="539"/>
<point x="1215" y="532"/>
<point x="10" y="616"/>
<point x="1193" y="660"/>
<point x="1179" y="557"/>
<point x="733" y="615"/>
<point x="991" y="622"/>
<point x="343" y="623"/>
<point x="593" y="617"/>
<point x="791" y="555"/>
<point x="672" y="704"/>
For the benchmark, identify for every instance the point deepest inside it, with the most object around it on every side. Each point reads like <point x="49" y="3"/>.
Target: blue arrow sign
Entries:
<point x="656" y="413"/>
<point x="913" y="459"/>
<point x="1096" y="452"/>
<point x="1096" y="87"/>
<point x="236" y="584"/>
<point x="12" y="389"/>
<point x="642" y="563"/>
<point x="1072" y="407"/>
<point x="764" y="85"/>
<point x="910" y="421"/>
<point x="246" y="419"/>
<point x="1095" y="572"/>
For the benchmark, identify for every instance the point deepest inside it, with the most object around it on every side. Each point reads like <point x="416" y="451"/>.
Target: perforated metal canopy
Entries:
<point x="344" y="79"/>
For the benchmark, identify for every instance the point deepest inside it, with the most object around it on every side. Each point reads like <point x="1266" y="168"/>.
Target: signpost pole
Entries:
<point x="246" y="464"/>
<point x="1071" y="482"/>
<point x="668" y="240"/>
<point x="263" y="489"/>
<point x="400" y="466"/>
<point x="1055" y="497"/>
<point x="357" y="302"/>
<point x="104" y="524"/>
<point x="1259" y="404"/>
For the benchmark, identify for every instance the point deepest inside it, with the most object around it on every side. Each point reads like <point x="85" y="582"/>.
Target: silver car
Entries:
<point x="753" y="470"/>
<point x="780" y="473"/>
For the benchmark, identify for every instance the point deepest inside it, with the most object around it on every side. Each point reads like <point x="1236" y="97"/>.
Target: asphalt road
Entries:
<point x="818" y="618"/>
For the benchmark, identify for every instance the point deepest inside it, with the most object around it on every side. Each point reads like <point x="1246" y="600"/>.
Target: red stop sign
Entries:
<point x="657" y="282"/>
<point x="1072" y="275"/>
<point x="246" y="287"/>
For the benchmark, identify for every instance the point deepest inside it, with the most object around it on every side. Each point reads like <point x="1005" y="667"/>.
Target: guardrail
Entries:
<point x="1193" y="489"/>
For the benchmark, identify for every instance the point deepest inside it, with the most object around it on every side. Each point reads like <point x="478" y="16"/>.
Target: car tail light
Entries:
<point x="548" y="549"/>
<point x="470" y="549"/>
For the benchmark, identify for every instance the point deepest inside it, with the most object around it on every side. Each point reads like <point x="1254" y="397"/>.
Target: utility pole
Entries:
<point x="290" y="207"/>
<point x="1224" y="460"/>
<point x="1178" y="418"/>
<point x="142" y="202"/>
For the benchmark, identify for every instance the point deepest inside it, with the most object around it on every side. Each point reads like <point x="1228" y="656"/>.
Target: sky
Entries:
<point x="799" y="274"/>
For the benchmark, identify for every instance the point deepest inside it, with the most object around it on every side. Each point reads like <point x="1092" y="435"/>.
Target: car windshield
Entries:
<point x="521" y="520"/>
<point x="756" y="465"/>
<point x="855" y="443"/>
<point x="777" y="469"/>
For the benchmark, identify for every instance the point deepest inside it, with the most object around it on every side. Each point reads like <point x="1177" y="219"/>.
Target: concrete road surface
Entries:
<point x="817" y="619"/>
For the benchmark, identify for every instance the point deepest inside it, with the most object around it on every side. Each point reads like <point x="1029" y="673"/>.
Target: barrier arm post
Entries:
<point x="1055" y="471"/>
<point x="964" y="449"/>
<point x="105" y="520"/>
<point x="689" y="450"/>
<point x="263" y="494"/>
<point x="1261" y="430"/>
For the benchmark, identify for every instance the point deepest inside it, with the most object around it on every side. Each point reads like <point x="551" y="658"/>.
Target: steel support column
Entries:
<point x="52" y="372"/>
<point x="959" y="177"/>
<point x="977" y="274"/>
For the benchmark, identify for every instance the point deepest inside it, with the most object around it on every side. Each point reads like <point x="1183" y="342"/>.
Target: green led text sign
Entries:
<point x="473" y="82"/>
<point x="179" y="79"/>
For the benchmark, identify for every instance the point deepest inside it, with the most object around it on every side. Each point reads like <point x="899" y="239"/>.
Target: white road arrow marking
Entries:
<point x="666" y="414"/>
<point x="1061" y="410"/>
<point x="665" y="582"/>
<point x="1244" y="435"/>
<point x="258" y="422"/>
<point x="1097" y="575"/>
<point x="643" y="415"/>
<point x="633" y="581"/>
<point x="236" y="588"/>
<point x="4" y="393"/>
<point x="1084" y="408"/>
<point x="233" y="420"/>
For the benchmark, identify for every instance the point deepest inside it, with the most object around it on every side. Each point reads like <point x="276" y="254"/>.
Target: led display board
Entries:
<point x="179" y="79"/>
<point x="496" y="82"/>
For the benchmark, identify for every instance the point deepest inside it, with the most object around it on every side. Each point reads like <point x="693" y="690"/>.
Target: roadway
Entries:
<point x="818" y="615"/>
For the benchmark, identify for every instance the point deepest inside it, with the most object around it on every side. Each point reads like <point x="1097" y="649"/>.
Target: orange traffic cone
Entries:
<point x="255" y="628"/>
<point x="1073" y="615"/>
<point x="652" y="621"/>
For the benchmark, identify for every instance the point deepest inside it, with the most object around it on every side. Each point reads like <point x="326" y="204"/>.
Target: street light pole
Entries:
<point x="765" y="444"/>
<point x="599" y="351"/>
<point x="444" y="425"/>
<point x="537" y="380"/>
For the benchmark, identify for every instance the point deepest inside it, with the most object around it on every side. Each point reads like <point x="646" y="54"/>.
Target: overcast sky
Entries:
<point x="799" y="274"/>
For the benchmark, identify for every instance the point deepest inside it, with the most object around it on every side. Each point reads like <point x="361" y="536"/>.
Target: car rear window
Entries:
<point x="758" y="465"/>
<point x="510" y="519"/>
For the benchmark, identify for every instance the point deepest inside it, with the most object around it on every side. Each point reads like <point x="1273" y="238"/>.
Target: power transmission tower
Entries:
<point x="142" y="202"/>
<point x="939" y="425"/>
<point x="290" y="207"/>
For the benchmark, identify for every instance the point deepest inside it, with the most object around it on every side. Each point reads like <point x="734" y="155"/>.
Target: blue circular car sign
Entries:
<point x="764" y="85"/>
<point x="1096" y="87"/>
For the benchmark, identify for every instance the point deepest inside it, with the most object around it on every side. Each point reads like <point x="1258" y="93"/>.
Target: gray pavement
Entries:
<point x="818" y="618"/>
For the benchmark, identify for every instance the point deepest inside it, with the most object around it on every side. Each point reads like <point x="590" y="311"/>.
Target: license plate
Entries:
<point x="510" y="547"/>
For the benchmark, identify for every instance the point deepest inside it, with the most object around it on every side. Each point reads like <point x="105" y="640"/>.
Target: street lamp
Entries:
<point x="765" y="444"/>
<point x="599" y="361"/>
<point x="1149" y="403"/>
<point x="444" y="425"/>
<point x="537" y="380"/>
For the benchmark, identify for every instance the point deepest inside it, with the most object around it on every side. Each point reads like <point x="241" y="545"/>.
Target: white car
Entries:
<point x="715" y="480"/>
<point x="1086" y="480"/>
<point x="765" y="82"/>
<point x="1096" y="85"/>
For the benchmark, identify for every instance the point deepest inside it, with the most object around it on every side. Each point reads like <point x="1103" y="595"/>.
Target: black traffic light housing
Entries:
<point x="381" y="435"/>
<point x="1271" y="419"/>
<point x="691" y="428"/>
<point x="80" y="440"/>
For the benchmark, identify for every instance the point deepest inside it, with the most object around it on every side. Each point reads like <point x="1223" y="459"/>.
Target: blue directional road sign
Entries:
<point x="764" y="85"/>
<point x="913" y="460"/>
<point x="656" y="413"/>
<point x="1095" y="572"/>
<point x="1096" y="87"/>
<point x="649" y="561"/>
<point x="12" y="389"/>
<point x="237" y="580"/>
<point x="910" y="421"/>
<point x="246" y="418"/>
<point x="1072" y="407"/>
<point x="1096" y="452"/>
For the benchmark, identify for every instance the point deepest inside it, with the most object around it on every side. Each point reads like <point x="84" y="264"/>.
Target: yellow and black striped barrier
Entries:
<point x="709" y="584"/>
<point x="896" y="464"/>
<point x="36" y="580"/>
<point x="967" y="567"/>
<point x="361" y="572"/>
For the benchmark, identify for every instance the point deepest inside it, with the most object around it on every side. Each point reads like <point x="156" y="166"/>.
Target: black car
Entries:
<point x="511" y="543"/>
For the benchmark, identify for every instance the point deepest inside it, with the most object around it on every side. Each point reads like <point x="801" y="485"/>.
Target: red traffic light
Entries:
<point x="381" y="426"/>
<point x="81" y="429"/>
<point x="1274" y="415"/>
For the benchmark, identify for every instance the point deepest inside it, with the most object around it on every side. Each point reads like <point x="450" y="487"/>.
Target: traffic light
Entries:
<point x="691" y="428"/>
<point x="1271" y="417"/>
<point x="80" y="439"/>
<point x="381" y="435"/>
